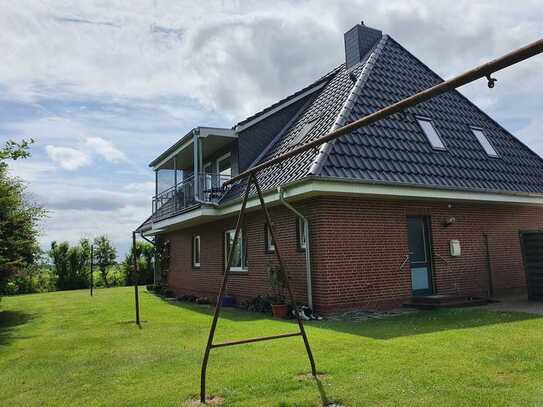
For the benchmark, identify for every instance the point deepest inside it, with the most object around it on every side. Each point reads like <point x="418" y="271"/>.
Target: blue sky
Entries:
<point x="105" y="86"/>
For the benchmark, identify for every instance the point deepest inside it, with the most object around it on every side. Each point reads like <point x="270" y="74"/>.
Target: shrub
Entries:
<point x="260" y="303"/>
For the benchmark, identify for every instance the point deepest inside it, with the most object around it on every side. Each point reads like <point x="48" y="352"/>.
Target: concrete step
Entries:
<point x="444" y="301"/>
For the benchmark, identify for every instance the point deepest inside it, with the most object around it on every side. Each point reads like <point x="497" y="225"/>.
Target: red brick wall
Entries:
<point x="183" y="278"/>
<point x="357" y="247"/>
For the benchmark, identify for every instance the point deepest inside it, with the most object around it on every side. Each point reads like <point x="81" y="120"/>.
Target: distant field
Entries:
<point x="66" y="348"/>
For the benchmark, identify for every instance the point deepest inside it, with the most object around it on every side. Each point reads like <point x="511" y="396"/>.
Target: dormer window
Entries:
<point x="484" y="142"/>
<point x="429" y="130"/>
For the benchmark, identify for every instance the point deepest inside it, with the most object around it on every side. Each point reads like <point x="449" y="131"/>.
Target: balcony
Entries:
<point x="184" y="195"/>
<point x="193" y="170"/>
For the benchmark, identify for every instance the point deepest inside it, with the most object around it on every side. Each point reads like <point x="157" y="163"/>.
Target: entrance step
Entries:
<point x="428" y="302"/>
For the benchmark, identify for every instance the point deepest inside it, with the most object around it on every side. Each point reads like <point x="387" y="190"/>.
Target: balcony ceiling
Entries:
<point x="184" y="157"/>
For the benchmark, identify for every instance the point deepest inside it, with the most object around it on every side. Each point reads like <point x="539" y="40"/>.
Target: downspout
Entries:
<point x="307" y="245"/>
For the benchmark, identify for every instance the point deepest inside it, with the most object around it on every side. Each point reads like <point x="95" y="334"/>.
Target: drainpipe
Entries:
<point x="307" y="253"/>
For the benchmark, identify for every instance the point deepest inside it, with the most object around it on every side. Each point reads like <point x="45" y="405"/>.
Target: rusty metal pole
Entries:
<point x="136" y="289"/>
<point x="218" y="305"/>
<point x="287" y="278"/>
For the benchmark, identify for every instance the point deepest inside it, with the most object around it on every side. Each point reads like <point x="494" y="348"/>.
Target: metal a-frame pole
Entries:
<point x="286" y="277"/>
<point x="210" y="345"/>
<point x="136" y="275"/>
<point x="91" y="269"/>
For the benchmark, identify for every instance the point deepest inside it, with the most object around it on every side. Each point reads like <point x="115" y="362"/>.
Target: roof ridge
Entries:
<point x="343" y="115"/>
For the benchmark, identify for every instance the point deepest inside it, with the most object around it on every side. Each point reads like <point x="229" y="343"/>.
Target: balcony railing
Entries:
<point x="183" y="195"/>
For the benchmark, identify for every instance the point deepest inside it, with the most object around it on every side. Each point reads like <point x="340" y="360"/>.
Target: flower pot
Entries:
<point x="228" y="301"/>
<point x="280" y="310"/>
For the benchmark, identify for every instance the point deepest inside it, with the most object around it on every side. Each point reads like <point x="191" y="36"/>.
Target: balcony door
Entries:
<point x="224" y="168"/>
<point x="420" y="258"/>
<point x="208" y="178"/>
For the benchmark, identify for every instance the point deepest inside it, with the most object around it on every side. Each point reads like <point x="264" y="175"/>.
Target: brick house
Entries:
<point x="429" y="201"/>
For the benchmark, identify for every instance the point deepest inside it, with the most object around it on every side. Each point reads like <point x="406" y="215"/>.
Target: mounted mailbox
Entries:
<point x="455" y="248"/>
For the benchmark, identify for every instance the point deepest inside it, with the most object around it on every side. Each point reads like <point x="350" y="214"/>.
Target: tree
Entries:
<point x="104" y="256"/>
<point x="18" y="216"/>
<point x="71" y="264"/>
<point x="59" y="257"/>
<point x="145" y="253"/>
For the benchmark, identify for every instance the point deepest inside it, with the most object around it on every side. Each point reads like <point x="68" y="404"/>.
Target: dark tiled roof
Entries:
<point x="322" y="79"/>
<point x="395" y="150"/>
<point x="322" y="111"/>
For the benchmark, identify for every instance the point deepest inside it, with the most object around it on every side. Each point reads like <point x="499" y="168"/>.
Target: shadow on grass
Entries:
<point x="411" y="324"/>
<point x="8" y="321"/>
<point x="229" y="313"/>
<point x="424" y="322"/>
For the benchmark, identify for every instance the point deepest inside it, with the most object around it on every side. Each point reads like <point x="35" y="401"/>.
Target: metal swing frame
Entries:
<point x="482" y="71"/>
<point x="252" y="180"/>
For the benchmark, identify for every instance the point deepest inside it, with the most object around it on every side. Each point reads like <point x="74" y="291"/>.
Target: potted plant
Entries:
<point x="277" y="280"/>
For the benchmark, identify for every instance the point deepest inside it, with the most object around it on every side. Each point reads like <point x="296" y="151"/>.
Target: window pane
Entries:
<point x="196" y="250"/>
<point x="166" y="176"/>
<point x="237" y="254"/>
<point x="484" y="142"/>
<point x="224" y="166"/>
<point x="431" y="134"/>
<point x="301" y="233"/>
<point x="269" y="239"/>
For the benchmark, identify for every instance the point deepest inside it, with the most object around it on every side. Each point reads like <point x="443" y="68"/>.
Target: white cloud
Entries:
<point x="106" y="149"/>
<point x="235" y="57"/>
<point x="67" y="158"/>
<point x="141" y="74"/>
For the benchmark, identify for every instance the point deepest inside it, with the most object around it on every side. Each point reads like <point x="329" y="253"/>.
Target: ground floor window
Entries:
<point x="300" y="232"/>
<point x="268" y="241"/>
<point x="196" y="251"/>
<point x="239" y="256"/>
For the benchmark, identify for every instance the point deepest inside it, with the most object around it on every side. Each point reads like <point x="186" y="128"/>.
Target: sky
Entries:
<point x="103" y="87"/>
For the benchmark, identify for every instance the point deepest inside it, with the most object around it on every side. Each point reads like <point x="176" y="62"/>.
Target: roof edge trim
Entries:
<point x="240" y="127"/>
<point x="320" y="186"/>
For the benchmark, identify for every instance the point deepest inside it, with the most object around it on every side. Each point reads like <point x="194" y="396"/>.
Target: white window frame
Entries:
<point x="441" y="146"/>
<point x="196" y="244"/>
<point x="301" y="233"/>
<point x="243" y="267"/>
<point x="484" y="142"/>
<point x="270" y="244"/>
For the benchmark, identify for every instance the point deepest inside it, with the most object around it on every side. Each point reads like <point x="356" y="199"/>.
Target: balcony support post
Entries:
<point x="195" y="163"/>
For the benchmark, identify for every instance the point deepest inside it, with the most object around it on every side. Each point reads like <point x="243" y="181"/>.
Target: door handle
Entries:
<point x="404" y="261"/>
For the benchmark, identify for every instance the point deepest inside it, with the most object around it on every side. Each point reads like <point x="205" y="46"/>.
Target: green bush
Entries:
<point x="35" y="279"/>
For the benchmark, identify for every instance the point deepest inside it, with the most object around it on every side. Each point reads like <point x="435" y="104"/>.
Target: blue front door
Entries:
<point x="420" y="258"/>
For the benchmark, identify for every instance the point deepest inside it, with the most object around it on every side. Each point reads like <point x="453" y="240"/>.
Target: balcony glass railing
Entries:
<point x="184" y="195"/>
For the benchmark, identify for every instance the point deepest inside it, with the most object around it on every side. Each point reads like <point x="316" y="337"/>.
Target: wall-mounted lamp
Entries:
<point x="449" y="221"/>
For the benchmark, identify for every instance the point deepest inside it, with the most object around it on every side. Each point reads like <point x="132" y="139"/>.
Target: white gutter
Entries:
<point x="311" y="187"/>
<point x="307" y="245"/>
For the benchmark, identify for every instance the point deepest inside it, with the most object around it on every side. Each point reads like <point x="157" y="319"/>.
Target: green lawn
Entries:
<point x="67" y="348"/>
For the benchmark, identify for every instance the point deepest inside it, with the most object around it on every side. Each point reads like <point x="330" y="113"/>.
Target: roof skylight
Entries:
<point x="483" y="141"/>
<point x="431" y="133"/>
<point x="303" y="131"/>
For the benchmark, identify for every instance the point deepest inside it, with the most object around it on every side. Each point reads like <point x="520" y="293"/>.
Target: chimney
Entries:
<point x="359" y="40"/>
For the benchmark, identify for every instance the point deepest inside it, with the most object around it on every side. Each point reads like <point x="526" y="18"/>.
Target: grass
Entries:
<point x="66" y="348"/>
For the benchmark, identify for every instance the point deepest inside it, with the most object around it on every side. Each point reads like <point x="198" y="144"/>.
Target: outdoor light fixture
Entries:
<point x="449" y="221"/>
